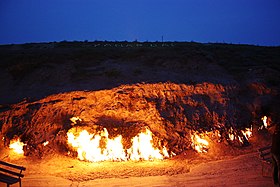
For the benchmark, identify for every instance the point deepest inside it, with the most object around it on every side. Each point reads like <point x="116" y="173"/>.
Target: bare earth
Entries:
<point x="240" y="171"/>
<point x="184" y="170"/>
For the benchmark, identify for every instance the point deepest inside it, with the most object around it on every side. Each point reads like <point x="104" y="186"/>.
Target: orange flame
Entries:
<point x="199" y="144"/>
<point x="17" y="146"/>
<point x="75" y="119"/>
<point x="265" y="122"/>
<point x="88" y="147"/>
<point x="142" y="148"/>
<point x="46" y="143"/>
<point x="247" y="133"/>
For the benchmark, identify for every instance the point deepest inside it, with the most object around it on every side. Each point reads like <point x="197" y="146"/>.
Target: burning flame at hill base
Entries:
<point x="17" y="146"/>
<point x="199" y="143"/>
<point x="99" y="147"/>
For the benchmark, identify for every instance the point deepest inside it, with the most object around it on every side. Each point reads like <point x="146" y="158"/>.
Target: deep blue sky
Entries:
<point x="231" y="21"/>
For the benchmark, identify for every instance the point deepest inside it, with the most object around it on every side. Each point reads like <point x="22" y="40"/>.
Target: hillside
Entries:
<point x="192" y="104"/>
<point x="33" y="71"/>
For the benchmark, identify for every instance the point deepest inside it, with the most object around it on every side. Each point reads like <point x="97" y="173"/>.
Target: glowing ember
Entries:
<point x="99" y="147"/>
<point x="17" y="146"/>
<point x="75" y="119"/>
<point x="199" y="144"/>
<point x="231" y="134"/>
<point x="45" y="143"/>
<point x="265" y="122"/>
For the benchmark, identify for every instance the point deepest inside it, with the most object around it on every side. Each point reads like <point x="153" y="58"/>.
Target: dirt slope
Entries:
<point x="175" y="89"/>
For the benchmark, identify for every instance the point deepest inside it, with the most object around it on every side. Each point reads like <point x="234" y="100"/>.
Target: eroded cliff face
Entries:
<point x="173" y="112"/>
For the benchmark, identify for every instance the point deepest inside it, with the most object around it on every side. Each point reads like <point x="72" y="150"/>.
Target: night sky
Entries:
<point x="230" y="21"/>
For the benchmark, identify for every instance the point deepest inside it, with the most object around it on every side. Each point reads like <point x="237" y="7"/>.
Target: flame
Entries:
<point x="234" y="135"/>
<point x="265" y="122"/>
<point x="248" y="132"/>
<point x="46" y="143"/>
<point x="17" y="146"/>
<point x="199" y="144"/>
<point x="75" y="119"/>
<point x="142" y="148"/>
<point x="99" y="147"/>
<point x="231" y="134"/>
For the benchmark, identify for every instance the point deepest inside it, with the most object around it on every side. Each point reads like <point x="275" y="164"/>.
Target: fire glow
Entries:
<point x="99" y="147"/>
<point x="200" y="141"/>
<point x="90" y="148"/>
<point x="17" y="146"/>
<point x="248" y="132"/>
<point x="240" y="137"/>
<point x="199" y="144"/>
<point x="265" y="122"/>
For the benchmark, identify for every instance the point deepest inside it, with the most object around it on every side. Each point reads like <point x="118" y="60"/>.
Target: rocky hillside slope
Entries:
<point x="175" y="89"/>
